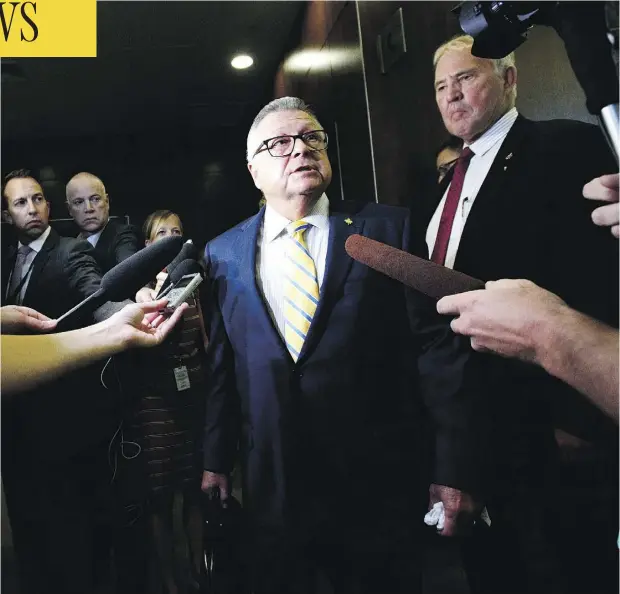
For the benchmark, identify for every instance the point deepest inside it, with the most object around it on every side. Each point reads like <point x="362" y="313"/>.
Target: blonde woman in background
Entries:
<point x="166" y="423"/>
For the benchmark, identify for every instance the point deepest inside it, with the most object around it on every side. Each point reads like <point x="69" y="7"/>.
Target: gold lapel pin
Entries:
<point x="348" y="221"/>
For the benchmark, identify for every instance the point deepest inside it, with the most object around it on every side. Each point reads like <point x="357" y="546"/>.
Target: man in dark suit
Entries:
<point x="89" y="205"/>
<point x="113" y="241"/>
<point x="50" y="453"/>
<point x="320" y="382"/>
<point x="512" y="208"/>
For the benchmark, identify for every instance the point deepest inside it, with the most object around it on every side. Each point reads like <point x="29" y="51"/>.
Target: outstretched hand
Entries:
<point x="141" y="325"/>
<point x="16" y="319"/>
<point x="503" y="317"/>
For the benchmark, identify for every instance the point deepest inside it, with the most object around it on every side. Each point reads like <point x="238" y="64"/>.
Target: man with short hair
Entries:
<point x="52" y="456"/>
<point x="511" y="207"/>
<point x="447" y="155"/>
<point x="320" y="377"/>
<point x="89" y="206"/>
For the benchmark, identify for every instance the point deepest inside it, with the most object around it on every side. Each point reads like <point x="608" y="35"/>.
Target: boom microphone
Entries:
<point x="126" y="278"/>
<point x="419" y="274"/>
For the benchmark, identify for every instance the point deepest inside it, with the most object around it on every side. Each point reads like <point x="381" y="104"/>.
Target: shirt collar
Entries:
<point x="37" y="243"/>
<point x="94" y="238"/>
<point x="274" y="223"/>
<point x="496" y="133"/>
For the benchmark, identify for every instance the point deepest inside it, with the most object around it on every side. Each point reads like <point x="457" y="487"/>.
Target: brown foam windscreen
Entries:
<point x="419" y="274"/>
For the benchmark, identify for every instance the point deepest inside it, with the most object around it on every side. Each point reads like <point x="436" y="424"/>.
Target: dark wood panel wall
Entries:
<point x="385" y="128"/>
<point x="326" y="70"/>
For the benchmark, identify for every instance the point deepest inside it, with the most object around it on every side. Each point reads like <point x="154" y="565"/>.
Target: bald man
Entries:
<point x="89" y="206"/>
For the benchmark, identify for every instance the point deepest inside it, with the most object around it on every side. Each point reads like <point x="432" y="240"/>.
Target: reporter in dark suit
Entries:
<point x="89" y="206"/>
<point x="512" y="208"/>
<point x="318" y="378"/>
<point x="50" y="454"/>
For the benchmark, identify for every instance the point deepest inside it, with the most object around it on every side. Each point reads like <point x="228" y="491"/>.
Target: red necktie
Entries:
<point x="450" y="206"/>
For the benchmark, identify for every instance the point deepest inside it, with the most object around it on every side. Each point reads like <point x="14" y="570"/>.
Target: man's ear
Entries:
<point x="510" y="77"/>
<point x="254" y="173"/>
<point x="147" y="242"/>
<point x="6" y="216"/>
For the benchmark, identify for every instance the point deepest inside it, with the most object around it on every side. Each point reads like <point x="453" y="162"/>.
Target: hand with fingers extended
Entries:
<point x="605" y="189"/>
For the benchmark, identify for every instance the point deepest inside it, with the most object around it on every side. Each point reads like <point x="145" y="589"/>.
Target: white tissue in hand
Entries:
<point x="436" y="516"/>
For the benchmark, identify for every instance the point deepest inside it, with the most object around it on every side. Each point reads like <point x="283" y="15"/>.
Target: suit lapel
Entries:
<point x="337" y="266"/>
<point x="105" y="238"/>
<point x="39" y="264"/>
<point x="246" y="247"/>
<point x="489" y="203"/>
<point x="423" y="214"/>
<point x="7" y="269"/>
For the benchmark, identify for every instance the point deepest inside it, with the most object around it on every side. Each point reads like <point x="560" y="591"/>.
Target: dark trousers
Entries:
<point x="53" y="507"/>
<point x="363" y="546"/>
<point x="516" y="554"/>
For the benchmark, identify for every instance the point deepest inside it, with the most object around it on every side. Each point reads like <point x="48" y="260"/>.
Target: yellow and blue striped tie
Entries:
<point x="301" y="289"/>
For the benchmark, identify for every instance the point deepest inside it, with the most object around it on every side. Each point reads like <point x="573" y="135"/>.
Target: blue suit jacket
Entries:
<point x="354" y="401"/>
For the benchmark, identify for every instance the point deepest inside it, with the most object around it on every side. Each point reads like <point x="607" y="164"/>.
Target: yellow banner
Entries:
<point x="49" y="29"/>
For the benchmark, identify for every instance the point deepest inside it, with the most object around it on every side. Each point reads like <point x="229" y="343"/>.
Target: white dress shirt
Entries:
<point x="485" y="150"/>
<point x="272" y="250"/>
<point x="35" y="246"/>
<point x="94" y="238"/>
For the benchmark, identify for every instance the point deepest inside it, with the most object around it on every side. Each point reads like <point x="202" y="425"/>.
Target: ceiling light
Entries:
<point x="242" y="61"/>
<point x="321" y="60"/>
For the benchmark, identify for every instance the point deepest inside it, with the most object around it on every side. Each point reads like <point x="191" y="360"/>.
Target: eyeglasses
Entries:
<point x="282" y="146"/>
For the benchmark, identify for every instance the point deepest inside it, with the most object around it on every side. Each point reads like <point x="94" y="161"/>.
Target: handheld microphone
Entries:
<point x="186" y="267"/>
<point x="122" y="281"/>
<point x="188" y="252"/>
<point x="419" y="274"/>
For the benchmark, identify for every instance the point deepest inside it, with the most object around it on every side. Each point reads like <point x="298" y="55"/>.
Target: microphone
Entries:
<point x="188" y="252"/>
<point x="419" y="274"/>
<point x="184" y="268"/>
<point x="122" y="281"/>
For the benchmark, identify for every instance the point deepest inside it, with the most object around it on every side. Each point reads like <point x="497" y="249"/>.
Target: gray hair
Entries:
<point x="465" y="43"/>
<point x="281" y="104"/>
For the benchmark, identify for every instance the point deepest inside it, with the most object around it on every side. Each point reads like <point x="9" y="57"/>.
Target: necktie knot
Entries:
<point x="466" y="155"/>
<point x="24" y="250"/>
<point x="298" y="228"/>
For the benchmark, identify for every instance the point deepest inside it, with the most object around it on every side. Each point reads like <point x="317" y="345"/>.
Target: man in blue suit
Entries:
<point x="323" y="371"/>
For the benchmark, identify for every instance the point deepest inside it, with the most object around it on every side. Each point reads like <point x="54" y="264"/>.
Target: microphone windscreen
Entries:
<point x="130" y="275"/>
<point x="188" y="252"/>
<point x="419" y="274"/>
<point x="185" y="267"/>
